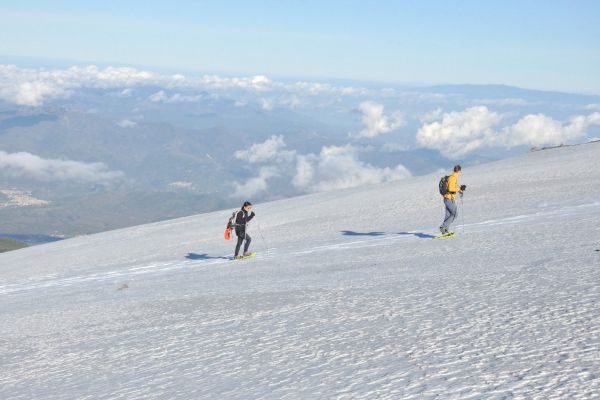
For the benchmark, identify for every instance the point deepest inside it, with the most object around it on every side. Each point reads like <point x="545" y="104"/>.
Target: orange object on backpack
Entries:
<point x="228" y="233"/>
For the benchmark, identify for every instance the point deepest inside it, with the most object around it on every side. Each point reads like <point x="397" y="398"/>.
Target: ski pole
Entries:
<point x="462" y="206"/>
<point x="263" y="238"/>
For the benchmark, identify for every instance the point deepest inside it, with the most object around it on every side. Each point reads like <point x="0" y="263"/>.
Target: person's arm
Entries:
<point x="250" y="216"/>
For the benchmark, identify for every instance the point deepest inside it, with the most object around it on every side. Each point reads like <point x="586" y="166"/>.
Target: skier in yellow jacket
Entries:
<point x="449" y="202"/>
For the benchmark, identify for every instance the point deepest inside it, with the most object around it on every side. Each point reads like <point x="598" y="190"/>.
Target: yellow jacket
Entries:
<point x="452" y="186"/>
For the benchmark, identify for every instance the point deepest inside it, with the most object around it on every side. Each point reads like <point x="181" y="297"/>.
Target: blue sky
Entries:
<point x="533" y="44"/>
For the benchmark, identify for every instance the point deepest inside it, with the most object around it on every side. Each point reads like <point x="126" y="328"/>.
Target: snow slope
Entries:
<point x="351" y="300"/>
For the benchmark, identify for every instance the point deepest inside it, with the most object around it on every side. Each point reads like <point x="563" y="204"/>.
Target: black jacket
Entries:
<point x="241" y="219"/>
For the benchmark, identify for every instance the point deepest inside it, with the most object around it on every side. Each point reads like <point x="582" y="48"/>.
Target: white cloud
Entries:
<point x="270" y="150"/>
<point x="33" y="87"/>
<point x="162" y="97"/>
<point x="255" y="185"/>
<point x="539" y="129"/>
<point x="28" y="165"/>
<point x="290" y="100"/>
<point x="181" y="185"/>
<point x="375" y="123"/>
<point x="593" y="107"/>
<point x="337" y="167"/>
<point x="258" y="83"/>
<point x="126" y="123"/>
<point x="126" y="92"/>
<point x="266" y="104"/>
<point x="305" y="171"/>
<point x="158" y="97"/>
<point x="457" y="134"/>
<point x="315" y="89"/>
<point x="431" y="116"/>
<point x="28" y="93"/>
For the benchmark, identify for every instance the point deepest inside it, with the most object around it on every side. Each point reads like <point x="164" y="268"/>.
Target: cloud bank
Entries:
<point x="338" y="167"/>
<point x="539" y="129"/>
<point x="35" y="86"/>
<point x="27" y="165"/>
<point x="456" y="134"/>
<point x="334" y="167"/>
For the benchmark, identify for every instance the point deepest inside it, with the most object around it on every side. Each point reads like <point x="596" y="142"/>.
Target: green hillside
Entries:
<point x="7" y="244"/>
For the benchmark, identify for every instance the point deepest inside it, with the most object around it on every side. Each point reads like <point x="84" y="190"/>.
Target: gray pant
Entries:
<point x="451" y="213"/>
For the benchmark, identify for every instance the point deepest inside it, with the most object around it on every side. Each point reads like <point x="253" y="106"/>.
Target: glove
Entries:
<point x="252" y="214"/>
<point x="463" y="187"/>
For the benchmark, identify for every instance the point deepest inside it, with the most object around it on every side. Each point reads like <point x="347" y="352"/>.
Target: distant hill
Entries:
<point x="8" y="244"/>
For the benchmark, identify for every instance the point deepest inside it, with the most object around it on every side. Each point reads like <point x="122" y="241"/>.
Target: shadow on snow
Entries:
<point x="352" y="233"/>
<point x="194" y="256"/>
<point x="420" y="235"/>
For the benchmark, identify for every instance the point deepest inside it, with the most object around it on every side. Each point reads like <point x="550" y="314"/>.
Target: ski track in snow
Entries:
<point x="507" y="310"/>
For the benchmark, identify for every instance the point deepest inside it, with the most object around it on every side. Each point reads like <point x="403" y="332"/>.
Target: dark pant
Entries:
<point x="242" y="235"/>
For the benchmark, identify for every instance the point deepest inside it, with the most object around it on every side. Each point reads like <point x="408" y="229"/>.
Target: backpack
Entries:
<point x="443" y="185"/>
<point x="231" y="222"/>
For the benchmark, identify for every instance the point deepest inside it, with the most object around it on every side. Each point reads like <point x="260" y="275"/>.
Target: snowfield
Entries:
<point x="348" y="297"/>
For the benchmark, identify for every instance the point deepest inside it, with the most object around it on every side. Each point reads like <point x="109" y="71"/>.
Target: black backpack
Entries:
<point x="443" y="185"/>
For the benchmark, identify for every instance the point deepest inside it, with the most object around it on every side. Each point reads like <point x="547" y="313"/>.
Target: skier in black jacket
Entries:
<point x="242" y="217"/>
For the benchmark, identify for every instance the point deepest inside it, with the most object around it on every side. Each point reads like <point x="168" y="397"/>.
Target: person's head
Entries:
<point x="247" y="206"/>
<point x="457" y="169"/>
